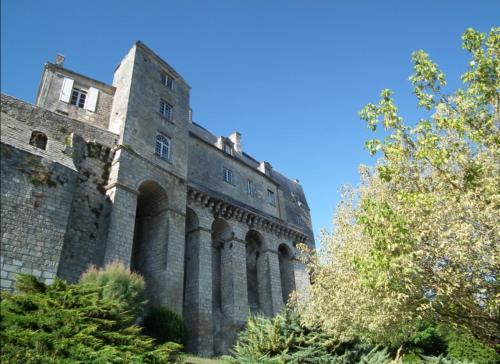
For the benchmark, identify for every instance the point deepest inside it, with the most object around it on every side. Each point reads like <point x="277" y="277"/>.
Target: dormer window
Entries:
<point x="167" y="81"/>
<point x="228" y="149"/>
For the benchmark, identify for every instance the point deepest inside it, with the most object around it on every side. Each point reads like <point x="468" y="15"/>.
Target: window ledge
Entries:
<point x="160" y="159"/>
<point x="166" y="120"/>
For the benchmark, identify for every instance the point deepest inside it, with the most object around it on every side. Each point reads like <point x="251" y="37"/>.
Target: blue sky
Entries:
<point x="290" y="75"/>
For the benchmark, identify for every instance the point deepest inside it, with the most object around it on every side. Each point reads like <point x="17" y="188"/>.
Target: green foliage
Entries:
<point x="466" y="348"/>
<point x="437" y="344"/>
<point x="63" y="323"/>
<point x="417" y="240"/>
<point x="284" y="339"/>
<point x="428" y="340"/>
<point x="118" y="284"/>
<point x="164" y="325"/>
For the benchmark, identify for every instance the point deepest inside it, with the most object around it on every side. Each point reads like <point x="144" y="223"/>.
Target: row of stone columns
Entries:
<point x="205" y="275"/>
<point x="217" y="264"/>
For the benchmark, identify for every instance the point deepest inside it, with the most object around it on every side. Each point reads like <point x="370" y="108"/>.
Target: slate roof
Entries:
<point x="291" y="188"/>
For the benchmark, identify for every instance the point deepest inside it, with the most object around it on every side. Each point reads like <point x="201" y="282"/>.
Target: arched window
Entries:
<point x="162" y="148"/>
<point x="39" y="140"/>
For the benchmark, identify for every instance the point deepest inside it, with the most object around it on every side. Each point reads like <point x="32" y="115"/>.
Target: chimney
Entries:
<point x="236" y="139"/>
<point x="60" y="60"/>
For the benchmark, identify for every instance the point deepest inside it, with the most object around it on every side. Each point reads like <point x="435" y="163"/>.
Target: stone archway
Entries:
<point x="286" y="271"/>
<point x="258" y="275"/>
<point x="149" y="251"/>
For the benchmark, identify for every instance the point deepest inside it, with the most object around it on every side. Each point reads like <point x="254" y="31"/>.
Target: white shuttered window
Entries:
<point x="91" y="100"/>
<point x="78" y="96"/>
<point x="66" y="89"/>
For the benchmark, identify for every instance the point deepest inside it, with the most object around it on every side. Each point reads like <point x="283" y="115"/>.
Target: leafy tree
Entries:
<point x="419" y="239"/>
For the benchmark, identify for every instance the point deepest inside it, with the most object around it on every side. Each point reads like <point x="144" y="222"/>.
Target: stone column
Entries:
<point x="268" y="271"/>
<point x="302" y="282"/>
<point x="198" y="294"/>
<point x="233" y="290"/>
<point x="121" y="224"/>
<point x="174" y="277"/>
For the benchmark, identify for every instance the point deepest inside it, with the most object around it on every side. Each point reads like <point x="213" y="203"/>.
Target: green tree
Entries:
<point x="419" y="239"/>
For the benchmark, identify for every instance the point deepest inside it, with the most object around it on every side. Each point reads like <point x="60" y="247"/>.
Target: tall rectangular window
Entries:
<point x="298" y="219"/>
<point x="228" y="176"/>
<point x="167" y="81"/>
<point x="270" y="197"/>
<point x="250" y="188"/>
<point x="166" y="109"/>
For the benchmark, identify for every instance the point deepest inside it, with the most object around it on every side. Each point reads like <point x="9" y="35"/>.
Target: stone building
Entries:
<point x="96" y="173"/>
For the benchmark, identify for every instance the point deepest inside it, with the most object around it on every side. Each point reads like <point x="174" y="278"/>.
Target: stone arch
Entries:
<point x="285" y="257"/>
<point x="258" y="274"/>
<point x="221" y="233"/>
<point x="149" y="250"/>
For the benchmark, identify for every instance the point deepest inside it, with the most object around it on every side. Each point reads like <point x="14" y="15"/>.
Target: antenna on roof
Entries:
<point x="60" y="59"/>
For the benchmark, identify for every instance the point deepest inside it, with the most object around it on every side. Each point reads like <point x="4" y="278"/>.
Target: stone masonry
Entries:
<point x="96" y="173"/>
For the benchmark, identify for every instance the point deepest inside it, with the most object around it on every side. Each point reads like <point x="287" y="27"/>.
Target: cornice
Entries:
<point x="221" y="208"/>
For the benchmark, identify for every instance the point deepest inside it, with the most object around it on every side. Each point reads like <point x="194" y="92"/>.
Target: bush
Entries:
<point x="118" y="284"/>
<point x="427" y="341"/>
<point x="164" y="325"/>
<point x="438" y="344"/>
<point x="464" y="347"/>
<point x="284" y="339"/>
<point x="64" y="323"/>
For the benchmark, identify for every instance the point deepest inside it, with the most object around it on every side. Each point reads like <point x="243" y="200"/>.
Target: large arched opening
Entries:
<point x="149" y="251"/>
<point x="286" y="271"/>
<point x="255" y="274"/>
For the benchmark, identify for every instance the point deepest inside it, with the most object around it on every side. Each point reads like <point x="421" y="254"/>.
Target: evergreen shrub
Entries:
<point x="64" y="323"/>
<point x="284" y="339"/>
<point x="118" y="284"/>
<point x="462" y="346"/>
<point x="164" y="325"/>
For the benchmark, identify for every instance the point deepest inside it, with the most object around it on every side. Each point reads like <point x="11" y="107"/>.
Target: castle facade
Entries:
<point x="95" y="173"/>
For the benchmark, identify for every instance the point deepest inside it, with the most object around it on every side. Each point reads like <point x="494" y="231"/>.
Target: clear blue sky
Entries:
<point x="290" y="75"/>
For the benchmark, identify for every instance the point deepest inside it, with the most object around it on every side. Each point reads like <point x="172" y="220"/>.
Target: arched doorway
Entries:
<point x="149" y="251"/>
<point x="286" y="271"/>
